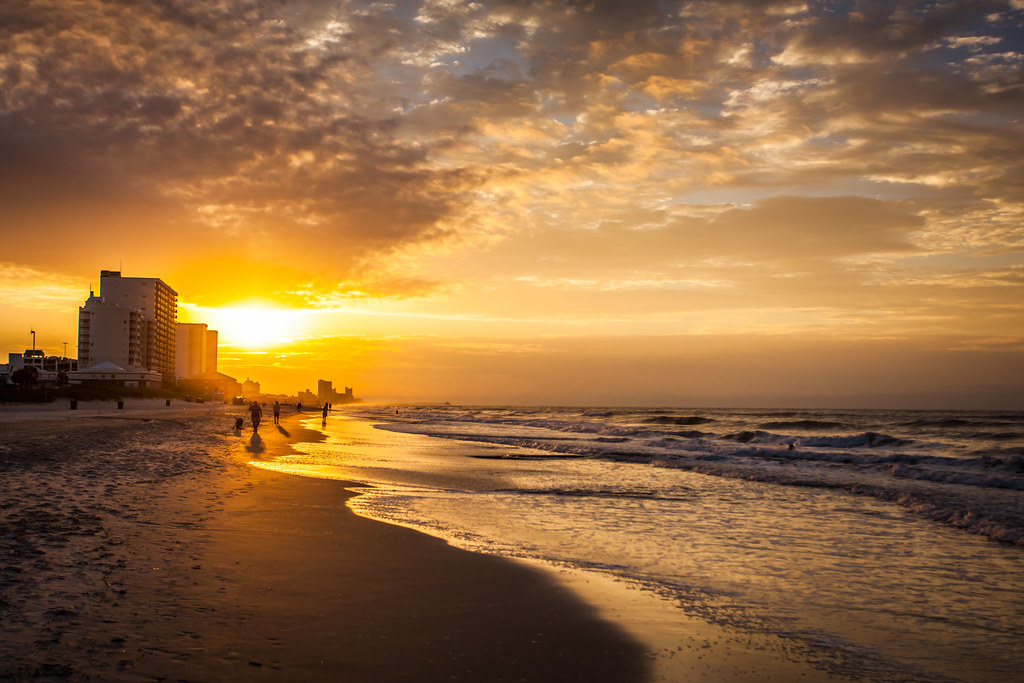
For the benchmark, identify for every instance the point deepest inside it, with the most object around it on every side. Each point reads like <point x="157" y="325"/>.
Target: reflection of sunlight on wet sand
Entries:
<point x="683" y="647"/>
<point x="302" y="470"/>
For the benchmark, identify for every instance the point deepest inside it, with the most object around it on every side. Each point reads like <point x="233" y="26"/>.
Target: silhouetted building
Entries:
<point x="130" y="324"/>
<point x="207" y="384"/>
<point x="196" y="351"/>
<point x="211" y="351"/>
<point x="114" y="375"/>
<point x="250" y="388"/>
<point x="325" y="393"/>
<point x="47" y="367"/>
<point x="190" y="350"/>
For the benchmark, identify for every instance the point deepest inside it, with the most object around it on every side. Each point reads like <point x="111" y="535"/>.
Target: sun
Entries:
<point x="254" y="326"/>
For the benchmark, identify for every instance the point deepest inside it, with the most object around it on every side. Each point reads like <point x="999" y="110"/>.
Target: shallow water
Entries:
<point x="854" y="585"/>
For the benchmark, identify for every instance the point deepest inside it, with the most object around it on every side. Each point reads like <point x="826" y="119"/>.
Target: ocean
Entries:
<point x="864" y="544"/>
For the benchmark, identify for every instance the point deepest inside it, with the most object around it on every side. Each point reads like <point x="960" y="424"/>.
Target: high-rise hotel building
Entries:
<point x="132" y="323"/>
<point x="197" y="350"/>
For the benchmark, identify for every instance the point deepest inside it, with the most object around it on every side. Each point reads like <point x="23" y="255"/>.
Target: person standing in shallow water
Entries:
<point x="325" y="411"/>
<point x="255" y="412"/>
<point x="277" y="412"/>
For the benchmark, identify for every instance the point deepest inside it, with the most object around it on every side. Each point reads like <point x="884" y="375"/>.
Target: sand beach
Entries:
<point x="156" y="542"/>
<point x="138" y="544"/>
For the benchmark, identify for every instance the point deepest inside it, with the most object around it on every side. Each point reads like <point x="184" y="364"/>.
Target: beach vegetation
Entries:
<point x="25" y="377"/>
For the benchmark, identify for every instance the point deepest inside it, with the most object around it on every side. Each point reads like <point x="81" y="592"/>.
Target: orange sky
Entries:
<point x="731" y="203"/>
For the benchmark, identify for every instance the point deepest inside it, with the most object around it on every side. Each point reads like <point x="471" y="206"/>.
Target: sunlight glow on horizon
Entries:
<point x="252" y="325"/>
<point x="580" y="184"/>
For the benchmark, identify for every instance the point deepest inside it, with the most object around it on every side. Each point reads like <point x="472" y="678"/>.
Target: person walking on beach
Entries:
<point x="325" y="411"/>
<point x="256" y="413"/>
<point x="277" y="412"/>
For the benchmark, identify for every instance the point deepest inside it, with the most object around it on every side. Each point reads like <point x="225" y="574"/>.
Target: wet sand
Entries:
<point x="139" y="545"/>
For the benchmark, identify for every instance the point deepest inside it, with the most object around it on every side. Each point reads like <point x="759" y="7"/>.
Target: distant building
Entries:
<point x="131" y="324"/>
<point x="211" y="351"/>
<point x="190" y="350"/>
<point x="325" y="393"/>
<point x="308" y="397"/>
<point x="208" y="384"/>
<point x="47" y="367"/>
<point x="108" y="373"/>
<point x="196" y="351"/>
<point x="250" y="388"/>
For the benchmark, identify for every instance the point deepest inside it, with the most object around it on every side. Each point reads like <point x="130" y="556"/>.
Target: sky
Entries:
<point x="737" y="203"/>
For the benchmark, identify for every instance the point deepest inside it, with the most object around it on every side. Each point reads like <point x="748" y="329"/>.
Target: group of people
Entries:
<point x="256" y="414"/>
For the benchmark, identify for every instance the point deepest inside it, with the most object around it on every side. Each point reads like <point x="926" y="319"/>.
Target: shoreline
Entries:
<point x="681" y="646"/>
<point x="148" y="548"/>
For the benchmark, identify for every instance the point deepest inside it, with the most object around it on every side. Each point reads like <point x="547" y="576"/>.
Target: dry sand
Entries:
<point x="139" y="545"/>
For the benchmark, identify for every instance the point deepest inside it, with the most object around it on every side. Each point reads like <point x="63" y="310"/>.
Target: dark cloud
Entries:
<point x="369" y="128"/>
<point x="228" y="106"/>
<point x="892" y="28"/>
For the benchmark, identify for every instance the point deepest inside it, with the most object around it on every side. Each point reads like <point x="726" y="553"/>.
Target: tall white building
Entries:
<point x="109" y="333"/>
<point x="130" y="324"/>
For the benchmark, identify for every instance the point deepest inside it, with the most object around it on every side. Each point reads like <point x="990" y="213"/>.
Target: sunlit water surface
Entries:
<point x="851" y="585"/>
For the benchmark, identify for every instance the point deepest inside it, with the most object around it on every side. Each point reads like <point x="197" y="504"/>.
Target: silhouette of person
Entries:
<point x="325" y="411"/>
<point x="277" y="413"/>
<point x="255" y="412"/>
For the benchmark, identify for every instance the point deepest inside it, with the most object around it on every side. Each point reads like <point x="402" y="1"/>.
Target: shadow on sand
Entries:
<point x="283" y="430"/>
<point x="255" y="444"/>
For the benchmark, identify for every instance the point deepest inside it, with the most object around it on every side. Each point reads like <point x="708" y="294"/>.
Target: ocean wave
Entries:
<point x="803" y="424"/>
<point x="998" y="436"/>
<point x="1010" y="458"/>
<point x="957" y="477"/>
<point x="986" y="506"/>
<point x="675" y="420"/>
<point x="972" y="480"/>
<point x="862" y="440"/>
<point x="692" y="434"/>
<point x="643" y="494"/>
<point x="956" y="422"/>
<point x="865" y="439"/>
<point x="744" y="437"/>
